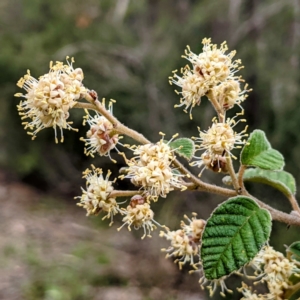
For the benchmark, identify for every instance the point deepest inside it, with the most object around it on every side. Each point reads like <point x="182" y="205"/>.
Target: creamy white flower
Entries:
<point x="96" y="198"/>
<point x="193" y="88"/>
<point x="228" y="93"/>
<point x="219" y="140"/>
<point x="274" y="269"/>
<point x="210" y="69"/>
<point x="185" y="242"/>
<point x="181" y="246"/>
<point x="101" y="138"/>
<point x="271" y="266"/>
<point x="151" y="169"/>
<point x="139" y="214"/>
<point x="49" y="98"/>
<point x="250" y="295"/>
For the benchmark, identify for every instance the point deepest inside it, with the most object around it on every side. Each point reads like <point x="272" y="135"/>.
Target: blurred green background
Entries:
<point x="127" y="49"/>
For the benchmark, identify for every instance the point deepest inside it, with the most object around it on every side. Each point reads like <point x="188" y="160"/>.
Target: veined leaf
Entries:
<point x="259" y="153"/>
<point x="280" y="180"/>
<point x="294" y="250"/>
<point x="233" y="235"/>
<point x="184" y="147"/>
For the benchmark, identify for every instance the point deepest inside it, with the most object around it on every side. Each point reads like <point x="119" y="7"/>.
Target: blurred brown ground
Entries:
<point x="51" y="250"/>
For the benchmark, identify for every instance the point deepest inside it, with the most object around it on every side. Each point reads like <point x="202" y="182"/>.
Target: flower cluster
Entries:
<point x="101" y="138"/>
<point x="212" y="74"/>
<point x="96" y="198"/>
<point x="139" y="214"/>
<point x="185" y="242"/>
<point x="151" y="169"/>
<point x="276" y="270"/>
<point x="250" y="295"/>
<point x="49" y="98"/>
<point x="218" y="141"/>
<point x="155" y="171"/>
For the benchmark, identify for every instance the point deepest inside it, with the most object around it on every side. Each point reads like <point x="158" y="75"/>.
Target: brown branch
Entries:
<point x="118" y="193"/>
<point x="290" y="219"/>
<point x="241" y="172"/>
<point x="294" y="203"/>
<point x="232" y="174"/>
<point x="196" y="184"/>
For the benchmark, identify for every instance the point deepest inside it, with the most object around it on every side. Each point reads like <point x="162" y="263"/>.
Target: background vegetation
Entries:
<point x="127" y="50"/>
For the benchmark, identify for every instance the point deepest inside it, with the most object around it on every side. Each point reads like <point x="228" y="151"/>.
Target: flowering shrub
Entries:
<point x="235" y="236"/>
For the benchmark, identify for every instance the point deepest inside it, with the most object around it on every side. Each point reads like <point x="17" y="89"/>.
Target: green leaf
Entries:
<point x="184" y="147"/>
<point x="259" y="153"/>
<point x="233" y="235"/>
<point x="294" y="250"/>
<point x="280" y="180"/>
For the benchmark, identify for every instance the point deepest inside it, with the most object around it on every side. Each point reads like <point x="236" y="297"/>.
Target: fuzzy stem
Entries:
<point x="218" y="108"/>
<point x="291" y="219"/>
<point x="199" y="185"/>
<point x="294" y="203"/>
<point x="291" y="197"/>
<point x="122" y="129"/>
<point x="118" y="193"/>
<point x="232" y="174"/>
<point x="241" y="172"/>
<point x="84" y="105"/>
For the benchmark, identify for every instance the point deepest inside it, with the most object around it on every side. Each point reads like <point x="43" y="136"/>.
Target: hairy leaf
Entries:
<point x="233" y="235"/>
<point x="184" y="147"/>
<point x="294" y="250"/>
<point x="280" y="180"/>
<point x="259" y="153"/>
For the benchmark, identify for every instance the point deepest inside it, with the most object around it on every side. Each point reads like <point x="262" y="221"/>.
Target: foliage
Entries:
<point x="236" y="234"/>
<point x="128" y="54"/>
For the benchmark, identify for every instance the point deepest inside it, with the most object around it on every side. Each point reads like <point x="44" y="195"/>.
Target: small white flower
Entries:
<point x="228" y="93"/>
<point x="185" y="242"/>
<point x="151" y="169"/>
<point x="49" y="99"/>
<point x="271" y="266"/>
<point x="101" y="137"/>
<point x="96" y="198"/>
<point x="218" y="142"/>
<point x="139" y="214"/>
<point x="209" y="69"/>
<point x="212" y="285"/>
<point x="193" y="88"/>
<point x="250" y="295"/>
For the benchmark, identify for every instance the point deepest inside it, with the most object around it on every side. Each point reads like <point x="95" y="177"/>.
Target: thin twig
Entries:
<point x="218" y="108"/>
<point x="206" y="187"/>
<point x="291" y="219"/>
<point x="294" y="203"/>
<point x="84" y="105"/>
<point x="197" y="183"/>
<point x="118" y="193"/>
<point x="241" y="172"/>
<point x="232" y="174"/>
